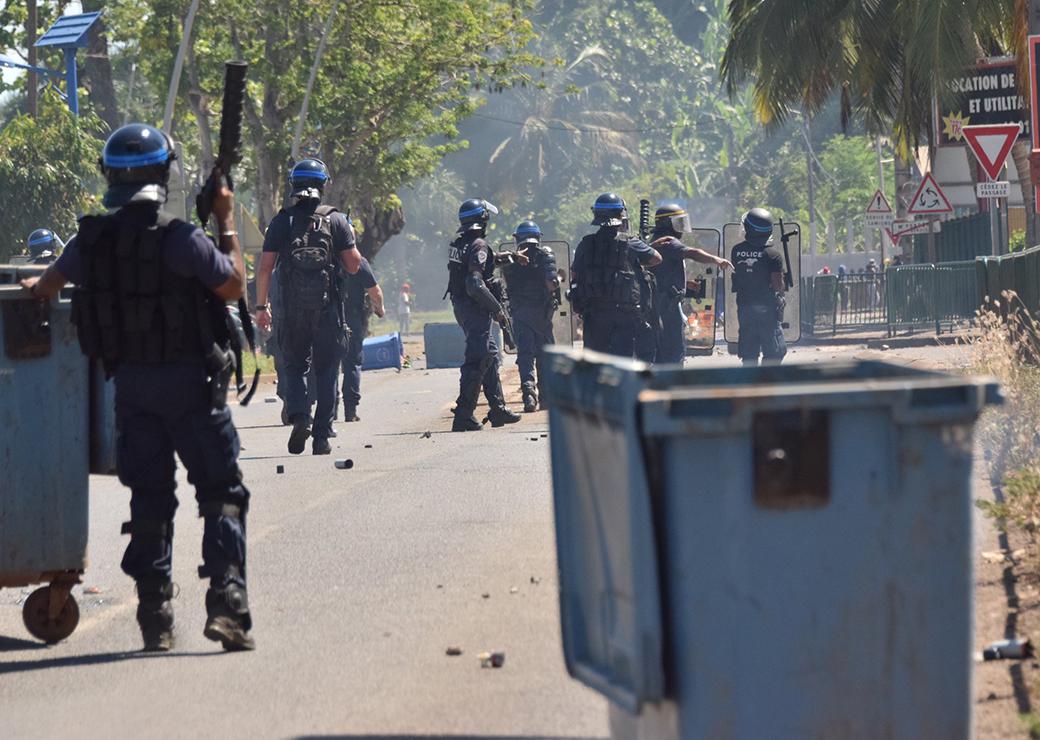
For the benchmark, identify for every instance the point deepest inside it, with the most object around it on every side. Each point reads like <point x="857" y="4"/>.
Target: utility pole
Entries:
<point x="30" y="42"/>
<point x="812" y="188"/>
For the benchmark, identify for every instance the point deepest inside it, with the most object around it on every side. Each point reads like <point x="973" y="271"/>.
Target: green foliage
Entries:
<point x="48" y="173"/>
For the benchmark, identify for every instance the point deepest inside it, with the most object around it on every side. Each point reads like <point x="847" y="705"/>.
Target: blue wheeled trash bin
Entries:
<point x="773" y="552"/>
<point x="45" y="449"/>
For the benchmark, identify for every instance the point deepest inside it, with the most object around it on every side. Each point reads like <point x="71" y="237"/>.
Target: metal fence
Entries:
<point x="1017" y="273"/>
<point x="908" y="297"/>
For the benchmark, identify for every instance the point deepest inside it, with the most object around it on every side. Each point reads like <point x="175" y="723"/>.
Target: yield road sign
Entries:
<point x="992" y="145"/>
<point x="929" y="200"/>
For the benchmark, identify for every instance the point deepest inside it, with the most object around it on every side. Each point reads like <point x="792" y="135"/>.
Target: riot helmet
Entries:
<point x="609" y="210"/>
<point x="308" y="179"/>
<point x="758" y="225"/>
<point x="43" y="244"/>
<point x="474" y="215"/>
<point x="136" y="163"/>
<point x="672" y="217"/>
<point x="527" y="233"/>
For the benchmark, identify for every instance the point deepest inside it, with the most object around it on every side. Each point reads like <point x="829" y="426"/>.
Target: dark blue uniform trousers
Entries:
<point x="164" y="409"/>
<point x="671" y="344"/>
<point x="353" y="360"/>
<point x="611" y="330"/>
<point x="480" y="366"/>
<point x="302" y="345"/>
<point x="531" y="338"/>
<point x="760" y="334"/>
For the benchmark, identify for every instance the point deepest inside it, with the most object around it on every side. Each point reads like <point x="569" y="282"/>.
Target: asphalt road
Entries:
<point x="359" y="581"/>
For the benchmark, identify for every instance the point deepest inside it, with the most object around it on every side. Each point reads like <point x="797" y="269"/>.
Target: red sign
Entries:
<point x="929" y="200"/>
<point x="903" y="228"/>
<point x="992" y="145"/>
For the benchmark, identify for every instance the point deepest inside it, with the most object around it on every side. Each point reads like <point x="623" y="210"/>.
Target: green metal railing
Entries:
<point x="908" y="297"/>
<point x="1016" y="273"/>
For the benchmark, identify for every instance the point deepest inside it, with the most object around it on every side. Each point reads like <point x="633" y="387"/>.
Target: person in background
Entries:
<point x="43" y="247"/>
<point x="404" y="310"/>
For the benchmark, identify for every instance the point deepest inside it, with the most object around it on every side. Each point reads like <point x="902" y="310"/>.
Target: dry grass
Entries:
<point x="1007" y="346"/>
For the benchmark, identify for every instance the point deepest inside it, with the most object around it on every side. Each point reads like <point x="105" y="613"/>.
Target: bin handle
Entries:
<point x="912" y="406"/>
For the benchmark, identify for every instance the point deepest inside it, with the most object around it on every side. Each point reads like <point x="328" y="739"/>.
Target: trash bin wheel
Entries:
<point x="35" y="614"/>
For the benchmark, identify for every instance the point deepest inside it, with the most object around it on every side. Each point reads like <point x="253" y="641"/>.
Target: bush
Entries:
<point x="48" y="173"/>
<point x="1007" y="346"/>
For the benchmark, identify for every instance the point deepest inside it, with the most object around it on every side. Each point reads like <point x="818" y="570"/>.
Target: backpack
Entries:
<point x="307" y="284"/>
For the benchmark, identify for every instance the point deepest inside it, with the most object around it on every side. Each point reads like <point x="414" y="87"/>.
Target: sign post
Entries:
<point x="991" y="146"/>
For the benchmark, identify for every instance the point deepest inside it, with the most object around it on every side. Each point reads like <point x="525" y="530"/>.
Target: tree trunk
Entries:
<point x="97" y="70"/>
<point x="1020" y="153"/>
<point x="200" y="107"/>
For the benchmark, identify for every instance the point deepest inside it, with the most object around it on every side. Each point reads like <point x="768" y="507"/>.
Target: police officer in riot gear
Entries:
<point x="758" y="281"/>
<point x="150" y="305"/>
<point x="605" y="283"/>
<point x="671" y="221"/>
<point x="471" y="267"/>
<point x="310" y="243"/>
<point x="533" y="300"/>
<point x="43" y="247"/>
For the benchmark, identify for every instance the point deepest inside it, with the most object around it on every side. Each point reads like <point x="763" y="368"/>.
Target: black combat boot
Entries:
<point x="500" y="416"/>
<point x="301" y="431"/>
<point x="350" y="413"/>
<point x="321" y="447"/>
<point x="155" y="614"/>
<point x="530" y="402"/>
<point x="228" y="620"/>
<point x="465" y="423"/>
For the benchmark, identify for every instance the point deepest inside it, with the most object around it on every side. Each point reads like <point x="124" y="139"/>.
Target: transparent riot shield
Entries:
<point x="732" y="235"/>
<point x="702" y="289"/>
<point x="564" y="320"/>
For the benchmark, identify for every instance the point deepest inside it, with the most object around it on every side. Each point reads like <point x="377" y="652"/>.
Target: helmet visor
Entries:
<point x="681" y="224"/>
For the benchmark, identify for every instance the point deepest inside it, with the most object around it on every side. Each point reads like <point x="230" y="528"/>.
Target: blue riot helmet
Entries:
<point x="609" y="210"/>
<point x="136" y="163"/>
<point x="308" y="179"/>
<point x="526" y="233"/>
<point x="758" y="225"/>
<point x="43" y="245"/>
<point x="474" y="215"/>
<point x="672" y="217"/>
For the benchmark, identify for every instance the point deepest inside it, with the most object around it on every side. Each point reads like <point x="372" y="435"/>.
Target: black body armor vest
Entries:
<point x="607" y="273"/>
<point x="131" y="307"/>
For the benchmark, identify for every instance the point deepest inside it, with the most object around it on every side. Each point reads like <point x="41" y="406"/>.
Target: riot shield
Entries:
<point x="564" y="320"/>
<point x="702" y="283"/>
<point x="732" y="235"/>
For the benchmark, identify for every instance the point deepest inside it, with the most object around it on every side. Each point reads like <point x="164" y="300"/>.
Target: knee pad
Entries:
<point x="148" y="529"/>
<point x="231" y="500"/>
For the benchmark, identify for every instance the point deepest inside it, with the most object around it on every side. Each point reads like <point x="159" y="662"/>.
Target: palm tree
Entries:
<point x="885" y="58"/>
<point x="569" y="131"/>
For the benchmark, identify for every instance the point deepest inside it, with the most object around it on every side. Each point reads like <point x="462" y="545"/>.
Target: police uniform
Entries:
<point x="671" y="288"/>
<point x="759" y="306"/>
<point x="356" y="311"/>
<point x="308" y="339"/>
<point x="532" y="304"/>
<point x="467" y="254"/>
<point x="606" y="269"/>
<point x="152" y="275"/>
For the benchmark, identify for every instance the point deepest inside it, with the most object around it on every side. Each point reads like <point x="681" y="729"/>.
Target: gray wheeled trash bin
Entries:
<point x="775" y="552"/>
<point x="44" y="449"/>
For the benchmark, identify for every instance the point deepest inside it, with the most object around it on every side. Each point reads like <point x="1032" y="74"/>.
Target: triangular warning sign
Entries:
<point x="992" y="145"/>
<point x="929" y="199"/>
<point x="879" y="204"/>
